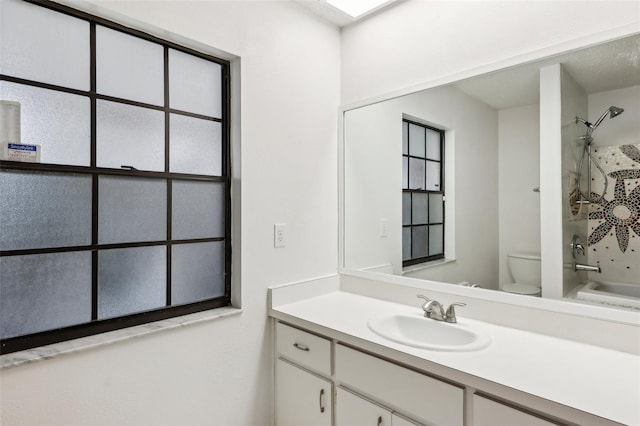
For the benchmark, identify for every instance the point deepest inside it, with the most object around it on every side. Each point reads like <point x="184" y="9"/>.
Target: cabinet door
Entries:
<point x="351" y="410"/>
<point x="302" y="398"/>
<point x="491" y="413"/>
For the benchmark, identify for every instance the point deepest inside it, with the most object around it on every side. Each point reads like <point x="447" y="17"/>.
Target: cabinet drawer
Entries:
<point x="421" y="397"/>
<point x="304" y="348"/>
<point x="491" y="413"/>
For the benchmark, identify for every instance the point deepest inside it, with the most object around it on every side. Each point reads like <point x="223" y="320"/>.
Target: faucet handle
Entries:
<point x="425" y="305"/>
<point x="451" y="312"/>
<point x="422" y="296"/>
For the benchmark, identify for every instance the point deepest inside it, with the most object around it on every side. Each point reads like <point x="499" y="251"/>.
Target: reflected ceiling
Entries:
<point x="607" y="66"/>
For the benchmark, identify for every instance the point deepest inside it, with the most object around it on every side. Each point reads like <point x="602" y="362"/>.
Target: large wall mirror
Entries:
<point x="444" y="184"/>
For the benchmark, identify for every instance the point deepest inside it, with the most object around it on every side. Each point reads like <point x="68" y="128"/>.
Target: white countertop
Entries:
<point x="596" y="380"/>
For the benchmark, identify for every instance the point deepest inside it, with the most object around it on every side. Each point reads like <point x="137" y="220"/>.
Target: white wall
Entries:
<point x="219" y="372"/>
<point x="519" y="174"/>
<point x="417" y="41"/>
<point x="574" y="215"/>
<point x="623" y="129"/>
<point x="373" y="182"/>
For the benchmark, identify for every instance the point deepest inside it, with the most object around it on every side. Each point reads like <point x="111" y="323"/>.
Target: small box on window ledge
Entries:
<point x="20" y="152"/>
<point x="11" y="147"/>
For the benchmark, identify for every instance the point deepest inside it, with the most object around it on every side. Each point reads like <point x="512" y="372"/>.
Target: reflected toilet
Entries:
<point x="525" y="269"/>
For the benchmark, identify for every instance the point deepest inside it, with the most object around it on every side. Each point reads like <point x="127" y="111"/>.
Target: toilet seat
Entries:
<point x="527" y="289"/>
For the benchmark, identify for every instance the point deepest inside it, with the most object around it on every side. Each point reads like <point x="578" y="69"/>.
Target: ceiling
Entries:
<point x="607" y="66"/>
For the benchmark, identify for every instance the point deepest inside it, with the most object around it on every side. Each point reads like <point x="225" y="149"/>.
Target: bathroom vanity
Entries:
<point x="331" y="368"/>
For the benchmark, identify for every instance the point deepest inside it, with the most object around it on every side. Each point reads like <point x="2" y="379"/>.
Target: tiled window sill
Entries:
<point x="426" y="265"/>
<point x="90" y="342"/>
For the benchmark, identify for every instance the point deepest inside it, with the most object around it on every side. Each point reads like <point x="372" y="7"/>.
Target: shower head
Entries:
<point x="613" y="111"/>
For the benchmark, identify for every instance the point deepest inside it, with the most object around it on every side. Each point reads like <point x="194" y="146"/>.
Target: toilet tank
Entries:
<point x="525" y="268"/>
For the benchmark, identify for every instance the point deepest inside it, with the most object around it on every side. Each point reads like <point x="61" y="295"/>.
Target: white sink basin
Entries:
<point x="420" y="332"/>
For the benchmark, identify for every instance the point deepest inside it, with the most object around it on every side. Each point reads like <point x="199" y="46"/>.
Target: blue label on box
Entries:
<point x="23" y="147"/>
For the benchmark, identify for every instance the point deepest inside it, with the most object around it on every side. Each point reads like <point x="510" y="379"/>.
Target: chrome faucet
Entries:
<point x="576" y="246"/>
<point x="588" y="268"/>
<point x="434" y="310"/>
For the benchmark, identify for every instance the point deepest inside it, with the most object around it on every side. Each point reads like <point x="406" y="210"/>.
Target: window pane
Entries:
<point x="129" y="135"/>
<point x="198" y="210"/>
<point x="405" y="172"/>
<point x="433" y="145"/>
<point x="419" y="242"/>
<point x="197" y="272"/>
<point x="420" y="209"/>
<point x="44" y="291"/>
<point x="416" y="173"/>
<point x="59" y="122"/>
<point x="436" y="208"/>
<point x="406" y="243"/>
<point x="129" y="67"/>
<point x="416" y="140"/>
<point x="435" y="239"/>
<point x="131" y="280"/>
<point x="195" y="146"/>
<point x="433" y="176"/>
<point x="43" y="45"/>
<point x="406" y="208"/>
<point x="405" y="138"/>
<point x="194" y="84"/>
<point x="39" y="210"/>
<point x="131" y="209"/>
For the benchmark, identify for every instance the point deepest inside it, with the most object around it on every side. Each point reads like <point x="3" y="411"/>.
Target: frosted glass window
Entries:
<point x="39" y="210"/>
<point x="406" y="208"/>
<point x="433" y="145"/>
<point x="129" y="135"/>
<point x="42" y="292"/>
<point x="405" y="172"/>
<point x="419" y="241"/>
<point x="129" y="67"/>
<point x="198" y="210"/>
<point x="419" y="207"/>
<point x="433" y="176"/>
<point x="406" y="243"/>
<point x="131" y="280"/>
<point x="416" y="140"/>
<point x="194" y="84"/>
<point x="59" y="122"/>
<point x="435" y="239"/>
<point x="197" y="272"/>
<point x="42" y="45"/>
<point x="131" y="209"/>
<point x="195" y="146"/>
<point x="436" y="208"/>
<point x="416" y="173"/>
<point x="405" y="138"/>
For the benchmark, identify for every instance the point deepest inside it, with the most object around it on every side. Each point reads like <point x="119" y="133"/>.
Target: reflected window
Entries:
<point x="422" y="193"/>
<point x="125" y="216"/>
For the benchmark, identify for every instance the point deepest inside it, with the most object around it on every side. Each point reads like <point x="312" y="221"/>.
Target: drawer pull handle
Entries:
<point x="301" y="347"/>
<point x="321" y="400"/>
<point x="379" y="420"/>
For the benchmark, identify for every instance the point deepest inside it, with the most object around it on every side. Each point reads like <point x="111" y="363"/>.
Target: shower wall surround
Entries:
<point x="614" y="220"/>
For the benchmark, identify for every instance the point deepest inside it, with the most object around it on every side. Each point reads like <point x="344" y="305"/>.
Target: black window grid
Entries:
<point x="412" y="225"/>
<point x="96" y="326"/>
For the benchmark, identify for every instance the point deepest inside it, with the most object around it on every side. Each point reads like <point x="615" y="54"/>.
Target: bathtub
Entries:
<point x="618" y="294"/>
